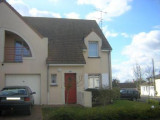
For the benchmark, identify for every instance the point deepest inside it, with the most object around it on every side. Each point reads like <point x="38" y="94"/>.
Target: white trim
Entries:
<point x="84" y="50"/>
<point x="66" y="64"/>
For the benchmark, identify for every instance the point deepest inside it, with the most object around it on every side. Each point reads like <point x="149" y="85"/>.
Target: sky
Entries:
<point x="132" y="27"/>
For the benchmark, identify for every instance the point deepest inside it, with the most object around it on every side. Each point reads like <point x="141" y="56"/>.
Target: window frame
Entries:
<point x="94" y="76"/>
<point x="97" y="50"/>
<point x="23" y="47"/>
<point x="51" y="82"/>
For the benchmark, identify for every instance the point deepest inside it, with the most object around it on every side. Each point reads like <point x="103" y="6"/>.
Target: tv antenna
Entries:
<point x="101" y="17"/>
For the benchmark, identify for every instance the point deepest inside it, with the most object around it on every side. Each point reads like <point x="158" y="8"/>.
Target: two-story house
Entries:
<point x="57" y="58"/>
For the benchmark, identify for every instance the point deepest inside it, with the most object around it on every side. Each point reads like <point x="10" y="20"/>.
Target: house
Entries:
<point x="157" y="84"/>
<point x="127" y="85"/>
<point x="147" y="89"/>
<point x="57" y="58"/>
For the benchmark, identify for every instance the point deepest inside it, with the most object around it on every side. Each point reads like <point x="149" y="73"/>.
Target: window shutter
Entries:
<point x="105" y="80"/>
<point x="86" y="81"/>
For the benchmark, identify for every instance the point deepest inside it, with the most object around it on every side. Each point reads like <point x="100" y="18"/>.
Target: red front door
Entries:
<point x="70" y="88"/>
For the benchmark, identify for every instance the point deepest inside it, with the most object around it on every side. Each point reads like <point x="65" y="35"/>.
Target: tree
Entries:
<point x="137" y="71"/>
<point x="115" y="82"/>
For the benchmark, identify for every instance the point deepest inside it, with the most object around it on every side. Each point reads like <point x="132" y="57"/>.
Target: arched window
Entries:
<point x="15" y="48"/>
<point x="21" y="50"/>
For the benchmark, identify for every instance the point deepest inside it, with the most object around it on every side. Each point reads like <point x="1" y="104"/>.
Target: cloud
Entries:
<point x="156" y="27"/>
<point x="125" y="35"/>
<point x="38" y="13"/>
<point x="114" y="8"/>
<point x="25" y="10"/>
<point x="20" y="6"/>
<point x="143" y="45"/>
<point x="109" y="33"/>
<point x="143" y="48"/>
<point x="53" y="1"/>
<point x="72" y="15"/>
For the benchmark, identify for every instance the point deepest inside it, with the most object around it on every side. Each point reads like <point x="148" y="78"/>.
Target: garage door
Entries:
<point x="33" y="81"/>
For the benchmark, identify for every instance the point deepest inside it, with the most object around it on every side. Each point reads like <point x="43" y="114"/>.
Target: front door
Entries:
<point x="70" y="88"/>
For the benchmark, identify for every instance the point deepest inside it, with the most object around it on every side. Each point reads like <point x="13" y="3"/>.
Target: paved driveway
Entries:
<point x="36" y="115"/>
<point x="145" y="98"/>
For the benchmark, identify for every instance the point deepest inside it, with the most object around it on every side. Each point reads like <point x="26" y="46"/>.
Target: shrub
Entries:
<point x="153" y="102"/>
<point x="105" y="96"/>
<point x="104" y="114"/>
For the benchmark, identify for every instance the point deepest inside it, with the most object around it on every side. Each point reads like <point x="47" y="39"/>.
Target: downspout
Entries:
<point x="47" y="83"/>
<point x="110" y="71"/>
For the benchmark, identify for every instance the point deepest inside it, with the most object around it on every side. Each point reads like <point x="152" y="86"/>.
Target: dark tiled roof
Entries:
<point x="127" y="85"/>
<point x="157" y="76"/>
<point x="66" y="38"/>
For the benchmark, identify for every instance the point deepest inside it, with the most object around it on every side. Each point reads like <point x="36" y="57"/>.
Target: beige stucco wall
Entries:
<point x="92" y="66"/>
<point x="39" y="47"/>
<point x="157" y="83"/>
<point x="57" y="93"/>
<point x="100" y="64"/>
<point x="37" y="63"/>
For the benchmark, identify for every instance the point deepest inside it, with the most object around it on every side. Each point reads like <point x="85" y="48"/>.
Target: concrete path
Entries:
<point x="35" y="115"/>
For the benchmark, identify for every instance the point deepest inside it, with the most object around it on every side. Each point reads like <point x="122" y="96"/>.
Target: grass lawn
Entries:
<point x="120" y="110"/>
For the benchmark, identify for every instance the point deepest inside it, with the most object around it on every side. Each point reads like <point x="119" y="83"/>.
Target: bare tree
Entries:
<point x="148" y="74"/>
<point x="137" y="71"/>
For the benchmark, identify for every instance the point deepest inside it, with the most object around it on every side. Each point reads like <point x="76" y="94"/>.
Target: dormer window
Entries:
<point x="93" y="49"/>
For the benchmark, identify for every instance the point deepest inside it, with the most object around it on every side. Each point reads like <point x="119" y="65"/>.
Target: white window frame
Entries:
<point x="96" y="50"/>
<point x="94" y="76"/>
<point x="51" y="82"/>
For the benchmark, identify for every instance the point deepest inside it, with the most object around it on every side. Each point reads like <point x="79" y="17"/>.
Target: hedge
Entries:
<point x="102" y="113"/>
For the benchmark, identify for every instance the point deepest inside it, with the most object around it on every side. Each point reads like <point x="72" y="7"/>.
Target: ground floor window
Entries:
<point x="94" y="81"/>
<point x="53" y="79"/>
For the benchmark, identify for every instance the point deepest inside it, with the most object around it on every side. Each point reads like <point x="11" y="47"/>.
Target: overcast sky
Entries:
<point x="132" y="27"/>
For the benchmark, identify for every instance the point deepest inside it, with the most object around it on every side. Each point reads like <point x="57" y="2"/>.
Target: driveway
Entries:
<point x="36" y="115"/>
<point x="145" y="98"/>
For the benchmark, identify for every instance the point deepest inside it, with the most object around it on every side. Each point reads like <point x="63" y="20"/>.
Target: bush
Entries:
<point x="153" y="102"/>
<point x="105" y="96"/>
<point x="120" y="110"/>
<point x="104" y="114"/>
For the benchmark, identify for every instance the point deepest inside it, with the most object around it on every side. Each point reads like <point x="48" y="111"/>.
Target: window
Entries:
<point x="94" y="81"/>
<point x="93" y="49"/>
<point x="21" y="50"/>
<point x="53" y="79"/>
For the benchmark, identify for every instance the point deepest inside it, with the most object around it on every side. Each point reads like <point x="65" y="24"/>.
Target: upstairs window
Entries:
<point x="21" y="50"/>
<point x="93" y="49"/>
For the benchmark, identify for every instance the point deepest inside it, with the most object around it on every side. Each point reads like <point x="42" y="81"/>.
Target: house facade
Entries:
<point x="147" y="90"/>
<point x="157" y="84"/>
<point x="59" y="59"/>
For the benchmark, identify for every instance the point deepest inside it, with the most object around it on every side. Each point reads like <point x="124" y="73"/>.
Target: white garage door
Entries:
<point x="33" y="81"/>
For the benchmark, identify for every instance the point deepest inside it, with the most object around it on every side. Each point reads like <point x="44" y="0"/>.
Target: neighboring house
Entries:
<point x="157" y="84"/>
<point x="53" y="56"/>
<point x="127" y="86"/>
<point x="147" y="89"/>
